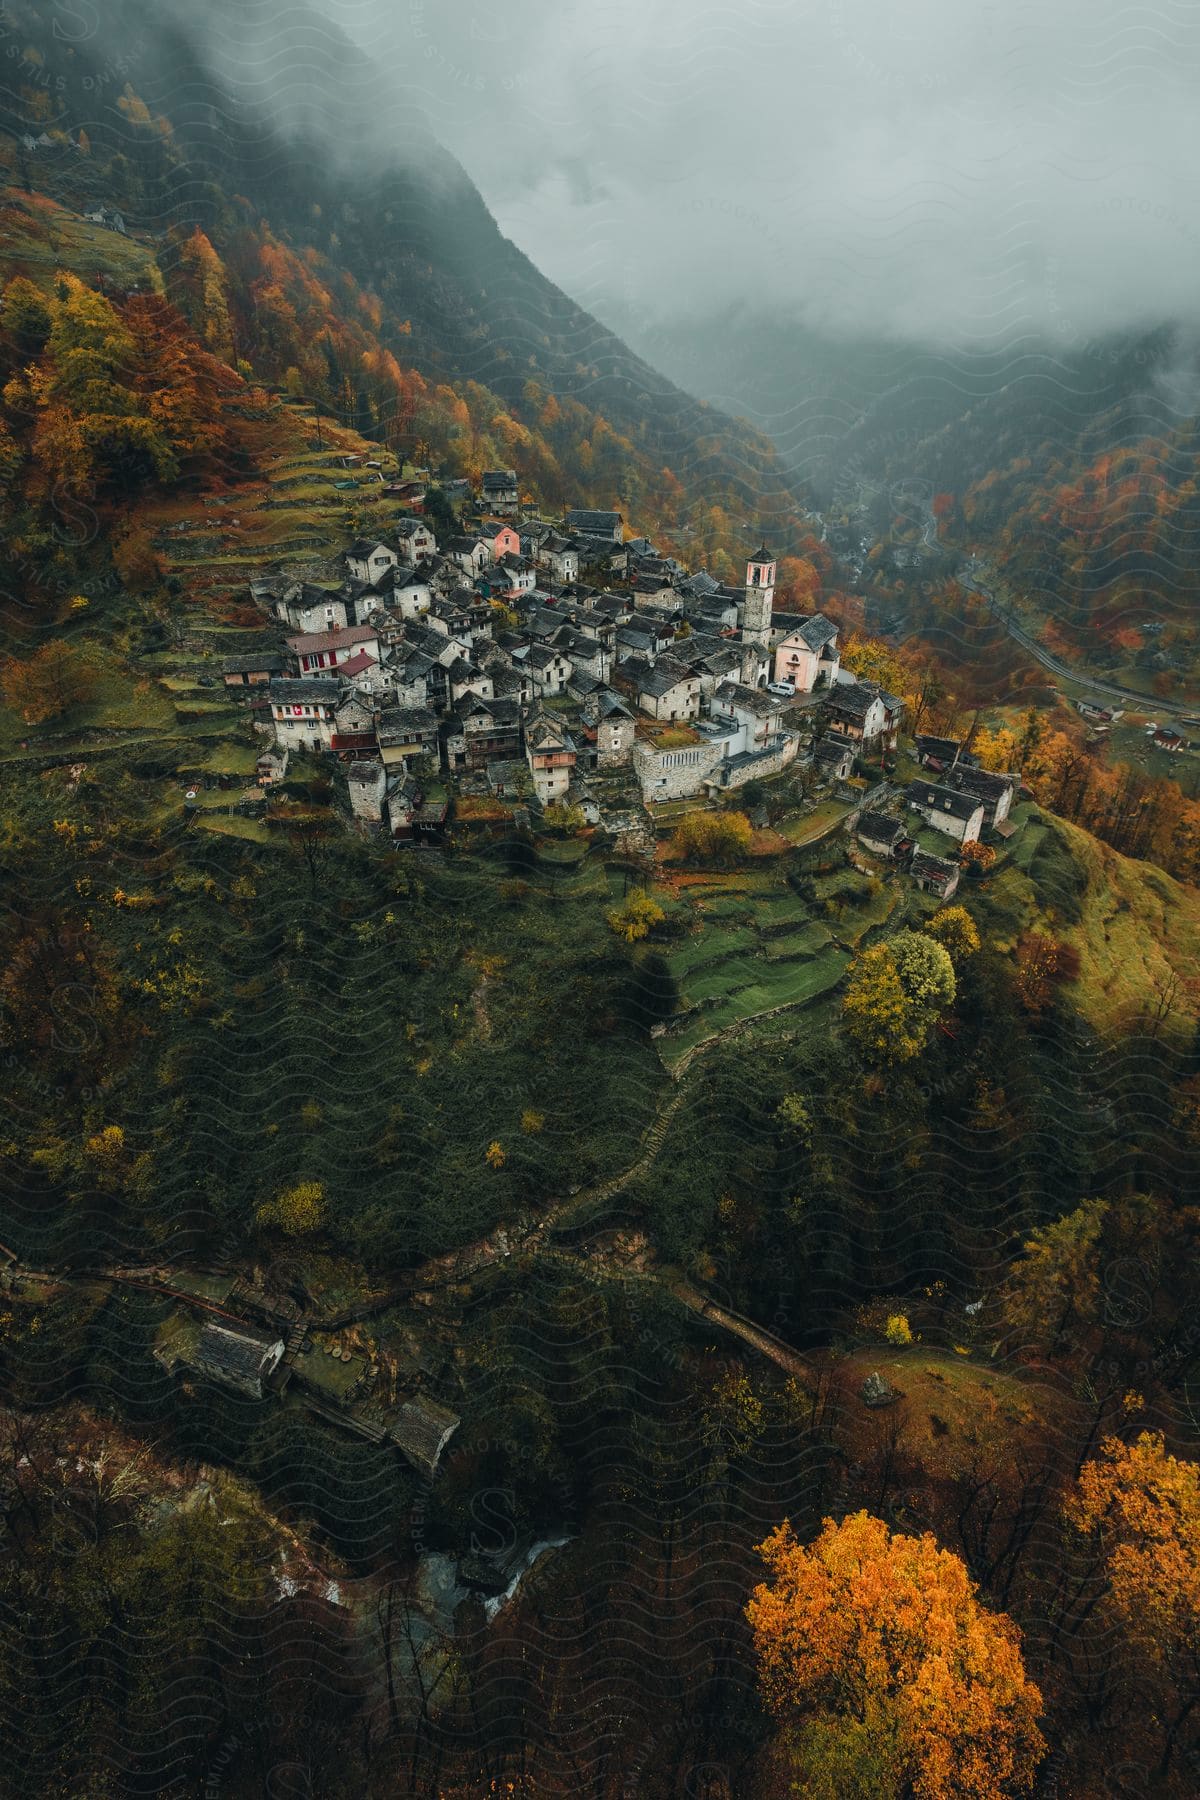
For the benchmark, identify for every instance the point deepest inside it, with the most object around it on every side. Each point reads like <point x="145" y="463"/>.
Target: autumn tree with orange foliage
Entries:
<point x="1042" y="962"/>
<point x="889" y="1676"/>
<point x="53" y="679"/>
<point x="1138" y="1509"/>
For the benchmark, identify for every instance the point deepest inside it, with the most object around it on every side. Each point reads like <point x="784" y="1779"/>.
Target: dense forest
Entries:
<point x="823" y="1367"/>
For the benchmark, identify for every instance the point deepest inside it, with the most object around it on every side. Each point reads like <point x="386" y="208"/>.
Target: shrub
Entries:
<point x="636" y="917"/>
<point x="720" y="838"/>
<point x="297" y="1210"/>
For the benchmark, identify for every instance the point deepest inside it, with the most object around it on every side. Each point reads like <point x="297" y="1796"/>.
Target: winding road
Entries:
<point x="968" y="577"/>
<point x="975" y="575"/>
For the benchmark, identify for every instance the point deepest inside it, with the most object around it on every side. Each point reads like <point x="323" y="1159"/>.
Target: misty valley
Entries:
<point x="600" y="928"/>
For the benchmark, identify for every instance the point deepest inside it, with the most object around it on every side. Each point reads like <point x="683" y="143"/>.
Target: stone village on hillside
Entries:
<point x="487" y="666"/>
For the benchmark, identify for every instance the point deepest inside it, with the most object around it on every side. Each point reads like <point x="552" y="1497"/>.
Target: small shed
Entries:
<point x="422" y="1428"/>
<point x="237" y="1358"/>
<point x="935" y="874"/>
<point x="880" y="833"/>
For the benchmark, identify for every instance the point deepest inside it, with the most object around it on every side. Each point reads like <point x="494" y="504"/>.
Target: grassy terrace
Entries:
<point x="1132" y="924"/>
<point x="756" y="945"/>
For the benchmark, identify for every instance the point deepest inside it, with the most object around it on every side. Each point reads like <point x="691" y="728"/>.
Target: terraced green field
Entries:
<point x="759" y="946"/>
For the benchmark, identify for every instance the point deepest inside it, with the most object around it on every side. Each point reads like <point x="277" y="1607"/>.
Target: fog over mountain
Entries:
<point x="935" y="172"/>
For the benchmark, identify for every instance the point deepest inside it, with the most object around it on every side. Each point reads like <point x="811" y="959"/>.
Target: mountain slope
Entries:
<point x="201" y="120"/>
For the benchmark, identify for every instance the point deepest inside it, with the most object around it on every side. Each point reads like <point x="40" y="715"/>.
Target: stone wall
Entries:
<point x="767" y="762"/>
<point x="675" y="774"/>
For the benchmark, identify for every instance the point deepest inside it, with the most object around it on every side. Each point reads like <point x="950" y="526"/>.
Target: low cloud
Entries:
<point x="950" y="172"/>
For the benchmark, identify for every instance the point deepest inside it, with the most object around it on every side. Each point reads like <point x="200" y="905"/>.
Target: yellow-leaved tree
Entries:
<point x="888" y="1675"/>
<point x="635" y="917"/>
<point x="1139" y="1508"/>
<point x="895" y="992"/>
<point x="297" y="1210"/>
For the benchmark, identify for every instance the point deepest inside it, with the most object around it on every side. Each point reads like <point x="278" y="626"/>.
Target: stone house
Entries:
<point x="550" y="753"/>
<point x="879" y="833"/>
<point x="754" y="714"/>
<point x="411" y="595"/>
<point x="499" y="492"/>
<point x="404" y="733"/>
<point x="466" y="677"/>
<point x="303" y="711"/>
<point x="353" y="727"/>
<point x="324" y="652"/>
<point x="583" y="521"/>
<point x="958" y="815"/>
<point x="271" y="767"/>
<point x="808" y="654"/>
<point x="549" y="668"/>
<point x="936" y="753"/>
<point x="833" y="757"/>
<point x="308" y="608"/>
<point x="517" y="575"/>
<point x="934" y="874"/>
<point x="471" y="552"/>
<point x="368" y="558"/>
<point x="366" y="781"/>
<point x="993" y="789"/>
<point x="609" y="728"/>
<point x="560" y="556"/>
<point x="252" y="670"/>
<point x="237" y="1358"/>
<point x="414" y="539"/>
<point x="864" y="712"/>
<point x="666" y="690"/>
<point x="491" y="731"/>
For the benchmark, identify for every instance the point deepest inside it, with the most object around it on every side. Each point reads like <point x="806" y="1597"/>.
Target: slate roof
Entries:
<point x="855" y="698"/>
<point x="945" y="749"/>
<point x="815" y="631"/>
<point x="366" y="772"/>
<point x="361" y="548"/>
<point x="267" y="660"/>
<point x="944" y="800"/>
<point x="935" y="868"/>
<point x="505" y="681"/>
<point x="599" y="524"/>
<point x="401" y="722"/>
<point x="501" y="712"/>
<point x="880" y="828"/>
<point x="422" y="1428"/>
<point x="762" y="555"/>
<point x="306" y="689"/>
<point x="240" y="1357"/>
<point x="636" y="637"/>
<point x="544" y="733"/>
<point x="542" y="655"/>
<point x="604" y="704"/>
<point x="833" y="750"/>
<point x="754" y="700"/>
<point x="986" y="784"/>
<point x="661" y="677"/>
<point x="701" y="583"/>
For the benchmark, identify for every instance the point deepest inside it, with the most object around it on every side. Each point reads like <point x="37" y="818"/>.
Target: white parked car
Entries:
<point x="784" y="688"/>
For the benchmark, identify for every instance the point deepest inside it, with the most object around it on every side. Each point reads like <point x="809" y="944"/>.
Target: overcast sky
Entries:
<point x="931" y="170"/>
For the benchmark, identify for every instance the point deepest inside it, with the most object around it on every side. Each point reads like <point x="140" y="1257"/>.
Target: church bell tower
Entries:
<point x="760" y="598"/>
